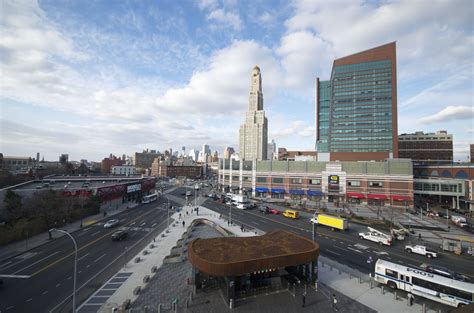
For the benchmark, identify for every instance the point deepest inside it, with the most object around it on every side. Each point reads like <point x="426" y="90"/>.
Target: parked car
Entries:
<point x="291" y="214"/>
<point x="264" y="209"/>
<point x="111" y="223"/>
<point x="119" y="235"/>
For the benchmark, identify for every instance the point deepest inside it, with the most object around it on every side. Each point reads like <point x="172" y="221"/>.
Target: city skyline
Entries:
<point x="89" y="80"/>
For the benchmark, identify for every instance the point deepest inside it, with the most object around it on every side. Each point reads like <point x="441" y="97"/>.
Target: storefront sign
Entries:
<point x="133" y="188"/>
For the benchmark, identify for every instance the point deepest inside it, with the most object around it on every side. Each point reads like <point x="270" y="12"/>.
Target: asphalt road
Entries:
<point x="342" y="246"/>
<point x="50" y="266"/>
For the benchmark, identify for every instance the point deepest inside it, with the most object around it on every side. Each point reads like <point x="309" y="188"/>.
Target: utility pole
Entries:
<point x="168" y="210"/>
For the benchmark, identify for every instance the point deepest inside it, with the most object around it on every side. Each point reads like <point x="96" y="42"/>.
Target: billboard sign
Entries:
<point x="333" y="182"/>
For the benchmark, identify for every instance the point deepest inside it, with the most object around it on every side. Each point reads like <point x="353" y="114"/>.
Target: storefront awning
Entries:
<point x="278" y="190"/>
<point x="296" y="192"/>
<point x="377" y="196"/>
<point x="355" y="195"/>
<point x="400" y="198"/>
<point x="318" y="193"/>
<point x="261" y="189"/>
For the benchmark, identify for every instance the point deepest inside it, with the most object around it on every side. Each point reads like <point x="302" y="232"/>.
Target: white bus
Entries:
<point x="427" y="285"/>
<point x="150" y="198"/>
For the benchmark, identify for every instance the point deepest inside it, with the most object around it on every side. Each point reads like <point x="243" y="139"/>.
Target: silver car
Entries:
<point x="111" y="223"/>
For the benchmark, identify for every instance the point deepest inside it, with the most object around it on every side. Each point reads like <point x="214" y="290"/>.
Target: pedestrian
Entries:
<point x="410" y="298"/>
<point x="154" y="239"/>
<point x="334" y="302"/>
<point x="179" y="216"/>
<point x="304" y="299"/>
<point x="419" y="236"/>
<point x="183" y="223"/>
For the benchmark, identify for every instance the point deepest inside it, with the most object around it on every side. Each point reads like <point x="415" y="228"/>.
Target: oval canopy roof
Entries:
<point x="234" y="256"/>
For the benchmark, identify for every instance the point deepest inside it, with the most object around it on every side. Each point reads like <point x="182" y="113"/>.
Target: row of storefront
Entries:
<point x="373" y="183"/>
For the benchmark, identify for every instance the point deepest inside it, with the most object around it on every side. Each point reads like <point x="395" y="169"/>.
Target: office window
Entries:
<point x="277" y="180"/>
<point x="261" y="179"/>
<point x="315" y="181"/>
<point x="296" y="180"/>
<point x="376" y="184"/>
<point x="353" y="183"/>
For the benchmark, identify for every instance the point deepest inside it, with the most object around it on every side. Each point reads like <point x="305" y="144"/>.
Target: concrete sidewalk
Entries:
<point x="333" y="277"/>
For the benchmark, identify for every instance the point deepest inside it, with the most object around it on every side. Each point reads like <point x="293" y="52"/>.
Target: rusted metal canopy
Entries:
<point x="234" y="256"/>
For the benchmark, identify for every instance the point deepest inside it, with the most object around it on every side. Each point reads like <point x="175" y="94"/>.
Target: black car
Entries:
<point x="264" y="209"/>
<point x="119" y="235"/>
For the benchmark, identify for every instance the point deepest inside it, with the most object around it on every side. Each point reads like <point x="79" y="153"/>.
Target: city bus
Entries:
<point x="150" y="198"/>
<point x="427" y="285"/>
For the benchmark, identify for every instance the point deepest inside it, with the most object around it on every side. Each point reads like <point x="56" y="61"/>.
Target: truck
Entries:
<point x="240" y="201"/>
<point x="334" y="222"/>
<point x="419" y="249"/>
<point x="376" y="236"/>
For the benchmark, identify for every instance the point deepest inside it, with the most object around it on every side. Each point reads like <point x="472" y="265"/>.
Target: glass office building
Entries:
<point x="356" y="110"/>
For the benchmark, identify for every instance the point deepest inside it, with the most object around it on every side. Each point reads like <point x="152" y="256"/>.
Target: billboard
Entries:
<point x="333" y="183"/>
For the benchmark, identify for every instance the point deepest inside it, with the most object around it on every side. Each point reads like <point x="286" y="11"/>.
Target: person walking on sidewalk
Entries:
<point x="183" y="223"/>
<point x="419" y="236"/>
<point x="334" y="302"/>
<point x="410" y="298"/>
<point x="304" y="299"/>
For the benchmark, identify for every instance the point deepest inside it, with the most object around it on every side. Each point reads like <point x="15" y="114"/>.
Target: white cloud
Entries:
<point x="448" y="114"/>
<point x="225" y="18"/>
<point x="223" y="88"/>
<point x="205" y="4"/>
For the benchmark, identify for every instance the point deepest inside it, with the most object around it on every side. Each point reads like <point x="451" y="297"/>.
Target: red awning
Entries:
<point x="355" y="195"/>
<point x="376" y="196"/>
<point x="400" y="198"/>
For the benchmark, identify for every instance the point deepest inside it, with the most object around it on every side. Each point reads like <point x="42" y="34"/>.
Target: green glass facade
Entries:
<point x="354" y="109"/>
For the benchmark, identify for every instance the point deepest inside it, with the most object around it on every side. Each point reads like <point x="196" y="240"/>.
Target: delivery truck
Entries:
<point x="334" y="222"/>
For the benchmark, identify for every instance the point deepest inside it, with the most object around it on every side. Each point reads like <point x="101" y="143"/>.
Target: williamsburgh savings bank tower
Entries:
<point x="253" y="132"/>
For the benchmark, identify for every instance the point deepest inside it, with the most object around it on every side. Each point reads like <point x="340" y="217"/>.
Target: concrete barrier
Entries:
<point x="154" y="269"/>
<point x="146" y="278"/>
<point x="137" y="290"/>
<point x="137" y="259"/>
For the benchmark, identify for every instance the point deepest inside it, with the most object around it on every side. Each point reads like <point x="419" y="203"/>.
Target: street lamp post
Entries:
<point x="314" y="227"/>
<point x="75" y="266"/>
<point x="369" y="261"/>
<point x="447" y="215"/>
<point x="168" y="211"/>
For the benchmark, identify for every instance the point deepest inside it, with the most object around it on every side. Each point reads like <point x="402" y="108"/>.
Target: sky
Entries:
<point x="90" y="78"/>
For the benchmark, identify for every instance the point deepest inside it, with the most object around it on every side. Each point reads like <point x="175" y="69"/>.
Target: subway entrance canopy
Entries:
<point x="243" y="265"/>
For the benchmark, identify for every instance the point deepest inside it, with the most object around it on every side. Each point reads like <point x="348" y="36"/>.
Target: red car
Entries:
<point x="274" y="211"/>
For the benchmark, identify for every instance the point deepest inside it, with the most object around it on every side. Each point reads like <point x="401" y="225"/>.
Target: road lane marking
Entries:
<point x="88" y="265"/>
<point x="265" y="222"/>
<point x="93" y="234"/>
<point x="132" y="223"/>
<point x="20" y="270"/>
<point x="82" y="257"/>
<point x="79" y="272"/>
<point x="354" y="249"/>
<point x="99" y="258"/>
<point x="154" y="224"/>
<point x="10" y="307"/>
<point x="57" y="285"/>
<point x="332" y="252"/>
<point x="69" y="278"/>
<point x="45" y="292"/>
<point x="256" y="223"/>
<point x="142" y="223"/>
<point x="29" y="300"/>
<point x="85" y="246"/>
<point x="361" y="246"/>
<point x="5" y="264"/>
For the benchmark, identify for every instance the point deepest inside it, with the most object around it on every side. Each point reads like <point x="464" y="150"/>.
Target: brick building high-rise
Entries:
<point x="426" y="148"/>
<point x="107" y="164"/>
<point x="356" y="110"/>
